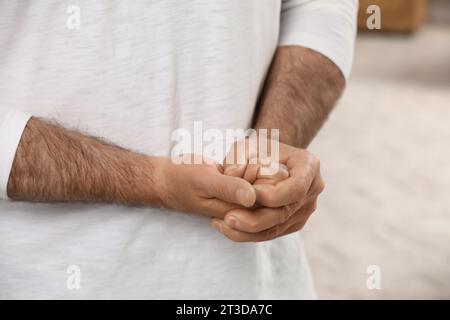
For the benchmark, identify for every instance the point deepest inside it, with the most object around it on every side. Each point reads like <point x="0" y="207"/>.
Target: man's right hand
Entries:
<point x="53" y="164"/>
<point x="200" y="188"/>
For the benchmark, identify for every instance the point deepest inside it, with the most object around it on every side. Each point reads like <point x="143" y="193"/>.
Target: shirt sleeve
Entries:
<point x="326" y="26"/>
<point x="12" y="124"/>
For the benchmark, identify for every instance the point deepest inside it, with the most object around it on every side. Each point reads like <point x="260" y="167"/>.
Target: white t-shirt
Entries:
<point x="132" y="72"/>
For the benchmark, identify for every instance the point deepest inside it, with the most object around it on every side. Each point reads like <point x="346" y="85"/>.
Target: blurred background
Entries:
<point x="386" y="159"/>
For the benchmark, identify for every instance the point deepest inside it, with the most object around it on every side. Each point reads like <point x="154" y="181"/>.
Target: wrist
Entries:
<point x="159" y="166"/>
<point x="148" y="185"/>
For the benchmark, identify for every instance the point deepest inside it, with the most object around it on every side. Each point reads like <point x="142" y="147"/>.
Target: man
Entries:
<point x="106" y="217"/>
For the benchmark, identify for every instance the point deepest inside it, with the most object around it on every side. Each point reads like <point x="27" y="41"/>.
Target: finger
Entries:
<point x="294" y="228"/>
<point x="235" y="170"/>
<point x="236" y="160"/>
<point x="297" y="221"/>
<point x="216" y="208"/>
<point x="301" y="219"/>
<point x="251" y="172"/>
<point x="230" y="189"/>
<point x="281" y="174"/>
<point x="255" y="173"/>
<point x="254" y="221"/>
<point x="317" y="186"/>
<point x="239" y="236"/>
<point x="293" y="189"/>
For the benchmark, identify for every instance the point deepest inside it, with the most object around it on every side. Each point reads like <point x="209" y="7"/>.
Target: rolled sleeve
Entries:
<point x="12" y="124"/>
<point x="326" y="26"/>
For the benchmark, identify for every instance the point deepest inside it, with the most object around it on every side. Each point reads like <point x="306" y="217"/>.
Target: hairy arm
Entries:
<point x="56" y="164"/>
<point x="53" y="164"/>
<point x="300" y="91"/>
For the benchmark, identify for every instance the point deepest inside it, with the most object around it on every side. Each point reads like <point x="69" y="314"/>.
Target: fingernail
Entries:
<point x="232" y="222"/>
<point x="217" y="225"/>
<point x="245" y="197"/>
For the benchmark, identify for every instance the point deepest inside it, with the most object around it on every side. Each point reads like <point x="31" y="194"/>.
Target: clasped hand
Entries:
<point x="244" y="204"/>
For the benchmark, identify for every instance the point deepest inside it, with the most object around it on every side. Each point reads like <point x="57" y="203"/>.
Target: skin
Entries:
<point x="300" y="92"/>
<point x="54" y="164"/>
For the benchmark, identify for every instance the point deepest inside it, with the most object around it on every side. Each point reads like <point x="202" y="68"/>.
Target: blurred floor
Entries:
<point x="386" y="159"/>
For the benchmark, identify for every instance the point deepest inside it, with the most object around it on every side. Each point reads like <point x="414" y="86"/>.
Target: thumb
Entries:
<point x="231" y="189"/>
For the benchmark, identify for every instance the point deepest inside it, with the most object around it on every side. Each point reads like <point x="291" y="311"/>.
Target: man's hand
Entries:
<point x="201" y="188"/>
<point x="300" y="91"/>
<point x="53" y="164"/>
<point x="285" y="203"/>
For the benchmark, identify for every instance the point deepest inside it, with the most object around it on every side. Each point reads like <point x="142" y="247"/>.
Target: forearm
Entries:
<point x="55" y="164"/>
<point x="300" y="91"/>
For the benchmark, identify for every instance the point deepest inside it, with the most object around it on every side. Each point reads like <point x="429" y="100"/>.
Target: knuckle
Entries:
<point x="284" y="214"/>
<point x="303" y="223"/>
<point x="272" y="233"/>
<point x="315" y="161"/>
<point x="321" y="185"/>
<point x="296" y="228"/>
<point x="301" y="188"/>
<point x="313" y="207"/>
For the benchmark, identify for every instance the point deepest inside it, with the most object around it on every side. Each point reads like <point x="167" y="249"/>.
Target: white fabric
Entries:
<point x="327" y="26"/>
<point x="12" y="123"/>
<point x="132" y="73"/>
